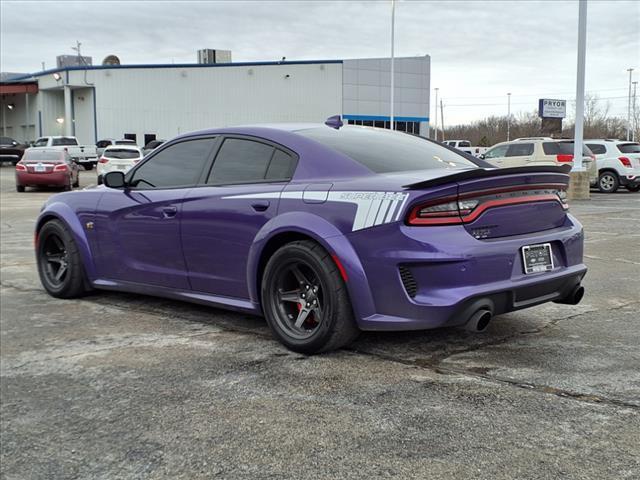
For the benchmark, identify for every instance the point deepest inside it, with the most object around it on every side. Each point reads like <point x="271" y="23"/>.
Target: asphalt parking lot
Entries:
<point x="123" y="386"/>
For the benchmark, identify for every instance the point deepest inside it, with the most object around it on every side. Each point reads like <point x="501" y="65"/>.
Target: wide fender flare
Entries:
<point x="65" y="214"/>
<point x="327" y="235"/>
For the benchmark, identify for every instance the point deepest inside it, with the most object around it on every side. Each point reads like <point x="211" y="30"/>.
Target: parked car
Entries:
<point x="618" y="164"/>
<point x="118" y="158"/>
<point x="326" y="231"/>
<point x="10" y="150"/>
<point x="539" y="151"/>
<point x="465" y="146"/>
<point x="46" y="167"/>
<point x="151" y="146"/>
<point x="102" y="144"/>
<point x="85" y="155"/>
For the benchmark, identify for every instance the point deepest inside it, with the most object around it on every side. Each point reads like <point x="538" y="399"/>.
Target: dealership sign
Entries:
<point x="549" y="108"/>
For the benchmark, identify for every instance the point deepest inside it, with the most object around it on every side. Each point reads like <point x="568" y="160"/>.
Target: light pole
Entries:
<point x="393" y="26"/>
<point x="508" y="116"/>
<point x="635" y="114"/>
<point x="630" y="70"/>
<point x="582" y="54"/>
<point x="436" y="126"/>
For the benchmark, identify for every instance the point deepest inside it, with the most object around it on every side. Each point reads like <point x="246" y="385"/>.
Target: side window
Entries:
<point x="597" y="149"/>
<point x="241" y="161"/>
<point x="281" y="166"/>
<point x="520" y="149"/>
<point x="497" y="152"/>
<point x="41" y="142"/>
<point x="176" y="166"/>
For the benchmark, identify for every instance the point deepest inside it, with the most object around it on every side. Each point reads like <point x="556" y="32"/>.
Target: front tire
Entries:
<point x="608" y="182"/>
<point x="20" y="188"/>
<point x="305" y="299"/>
<point x="59" y="263"/>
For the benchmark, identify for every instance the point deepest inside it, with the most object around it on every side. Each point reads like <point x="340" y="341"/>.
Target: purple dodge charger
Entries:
<point x="325" y="231"/>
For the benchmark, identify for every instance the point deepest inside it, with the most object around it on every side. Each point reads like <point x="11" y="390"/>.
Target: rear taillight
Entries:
<point x="20" y="167"/>
<point x="469" y="206"/>
<point x="103" y="160"/>
<point x="60" y="168"/>
<point x="564" y="157"/>
<point x="625" y="161"/>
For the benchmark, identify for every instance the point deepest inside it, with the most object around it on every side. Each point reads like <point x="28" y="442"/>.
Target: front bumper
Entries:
<point x="453" y="274"/>
<point x="630" y="179"/>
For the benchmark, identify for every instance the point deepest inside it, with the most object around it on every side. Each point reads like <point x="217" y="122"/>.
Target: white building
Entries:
<point x="144" y="102"/>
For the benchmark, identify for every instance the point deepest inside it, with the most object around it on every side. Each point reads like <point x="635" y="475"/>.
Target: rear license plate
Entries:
<point x="40" y="168"/>
<point x="537" y="258"/>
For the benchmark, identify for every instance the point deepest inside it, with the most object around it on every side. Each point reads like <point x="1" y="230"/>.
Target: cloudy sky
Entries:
<point x="480" y="50"/>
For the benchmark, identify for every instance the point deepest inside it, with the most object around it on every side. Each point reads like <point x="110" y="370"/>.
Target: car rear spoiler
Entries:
<point x="488" y="172"/>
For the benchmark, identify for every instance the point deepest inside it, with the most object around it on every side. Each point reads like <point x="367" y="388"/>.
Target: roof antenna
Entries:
<point x="334" y="122"/>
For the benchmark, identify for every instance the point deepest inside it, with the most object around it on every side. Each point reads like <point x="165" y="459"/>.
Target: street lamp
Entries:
<point x="508" y="116"/>
<point x="57" y="76"/>
<point x="630" y="70"/>
<point x="436" y="109"/>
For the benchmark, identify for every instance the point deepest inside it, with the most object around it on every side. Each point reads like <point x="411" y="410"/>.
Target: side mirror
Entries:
<point x="114" y="179"/>
<point x="482" y="156"/>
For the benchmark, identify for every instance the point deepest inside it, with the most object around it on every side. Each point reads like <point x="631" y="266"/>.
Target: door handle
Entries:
<point x="169" y="212"/>
<point x="260" y="206"/>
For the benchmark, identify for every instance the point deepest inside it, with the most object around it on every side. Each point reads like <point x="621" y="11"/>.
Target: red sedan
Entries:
<point x="46" y="167"/>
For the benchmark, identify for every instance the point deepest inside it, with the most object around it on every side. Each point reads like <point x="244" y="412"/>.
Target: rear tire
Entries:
<point x="100" y="182"/>
<point x="59" y="262"/>
<point x="87" y="166"/>
<point x="20" y="188"/>
<point x="608" y="182"/>
<point x="633" y="188"/>
<point x="305" y="299"/>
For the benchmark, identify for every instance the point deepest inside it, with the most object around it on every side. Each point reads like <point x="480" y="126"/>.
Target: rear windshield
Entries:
<point x="383" y="151"/>
<point x="41" y="155"/>
<point x="125" y="142"/>
<point x="562" y="148"/>
<point x="120" y="153"/>
<point x="629" y="147"/>
<point x="464" y="144"/>
<point x="64" y="141"/>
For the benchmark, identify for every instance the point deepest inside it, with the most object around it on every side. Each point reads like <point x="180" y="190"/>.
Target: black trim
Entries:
<point x="485" y="173"/>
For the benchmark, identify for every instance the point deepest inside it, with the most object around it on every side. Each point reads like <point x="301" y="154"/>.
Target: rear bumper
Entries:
<point x="453" y="274"/>
<point x="54" y="178"/>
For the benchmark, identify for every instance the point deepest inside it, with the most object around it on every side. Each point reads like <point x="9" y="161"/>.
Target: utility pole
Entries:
<point x="582" y="53"/>
<point x="393" y="26"/>
<point x="442" y="118"/>
<point x="635" y="113"/>
<point x="508" y="116"/>
<point x="630" y="70"/>
<point x="436" y="110"/>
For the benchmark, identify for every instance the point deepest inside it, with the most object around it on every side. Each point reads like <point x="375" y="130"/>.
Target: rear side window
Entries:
<point x="63" y="141"/>
<point x="178" y="165"/>
<point x="248" y="161"/>
<point x="384" y="151"/>
<point x="520" y="149"/>
<point x="629" y="147"/>
<point x="563" y="148"/>
<point x="121" y="153"/>
<point x="596" y="148"/>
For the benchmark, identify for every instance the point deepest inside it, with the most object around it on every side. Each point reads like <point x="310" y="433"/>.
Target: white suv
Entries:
<point x="618" y="164"/>
<point x="118" y="158"/>
<point x="539" y="151"/>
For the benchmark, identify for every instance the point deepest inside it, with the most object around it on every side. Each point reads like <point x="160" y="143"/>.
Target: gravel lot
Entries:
<point x="123" y="386"/>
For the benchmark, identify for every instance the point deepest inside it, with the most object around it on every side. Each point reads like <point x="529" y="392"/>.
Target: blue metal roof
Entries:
<point x="169" y="65"/>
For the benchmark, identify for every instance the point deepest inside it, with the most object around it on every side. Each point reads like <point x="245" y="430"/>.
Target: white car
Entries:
<point x="618" y="164"/>
<point x="537" y="151"/>
<point x="118" y="158"/>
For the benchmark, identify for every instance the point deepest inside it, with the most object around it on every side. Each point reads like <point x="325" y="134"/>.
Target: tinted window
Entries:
<point x="41" y="142"/>
<point x="63" y="141"/>
<point x="629" y="147"/>
<point x="120" y="153"/>
<point x="597" y="149"/>
<point x="281" y="166"/>
<point x="519" y="149"/>
<point x="464" y="144"/>
<point x="563" y="148"/>
<point x="382" y="151"/>
<point x="178" y="165"/>
<point x="103" y="143"/>
<point x="241" y="161"/>
<point x="497" y="152"/>
<point x="42" y="155"/>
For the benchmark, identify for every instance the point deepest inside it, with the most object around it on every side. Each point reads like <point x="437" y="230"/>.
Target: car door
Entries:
<point x="518" y="154"/>
<point x="221" y="218"/>
<point x="138" y="227"/>
<point x="496" y="155"/>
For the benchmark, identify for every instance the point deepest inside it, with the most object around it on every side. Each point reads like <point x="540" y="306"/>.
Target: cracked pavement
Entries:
<point x="125" y="386"/>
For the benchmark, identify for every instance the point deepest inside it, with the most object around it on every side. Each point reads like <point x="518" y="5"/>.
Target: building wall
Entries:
<point x="170" y="101"/>
<point x="19" y="122"/>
